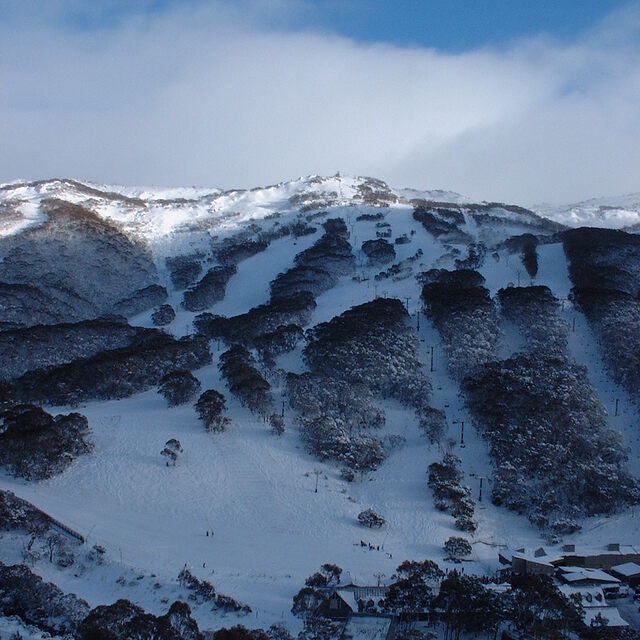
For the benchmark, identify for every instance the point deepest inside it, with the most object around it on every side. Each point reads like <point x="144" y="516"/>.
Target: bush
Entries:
<point x="369" y="518"/>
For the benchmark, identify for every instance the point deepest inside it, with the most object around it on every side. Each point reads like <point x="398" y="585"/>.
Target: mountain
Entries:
<point x="622" y="212"/>
<point x="206" y="395"/>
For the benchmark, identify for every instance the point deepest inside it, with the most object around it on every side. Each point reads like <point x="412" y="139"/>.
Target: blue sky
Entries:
<point x="448" y="25"/>
<point x="455" y="25"/>
<point x="523" y="101"/>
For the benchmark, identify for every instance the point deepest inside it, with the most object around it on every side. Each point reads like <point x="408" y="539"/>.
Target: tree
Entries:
<point x="171" y="450"/>
<point x="457" y="548"/>
<point x="412" y="591"/>
<point x="369" y="518"/>
<point x="209" y="407"/>
<point x="538" y="607"/>
<point x="277" y="424"/>
<point x="328" y="576"/>
<point x="179" y="387"/>
<point x="278" y="631"/>
<point x="432" y="422"/>
<point x="465" y="604"/>
<point x="306" y="601"/>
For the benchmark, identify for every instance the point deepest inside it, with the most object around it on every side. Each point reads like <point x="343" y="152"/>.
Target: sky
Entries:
<point x="517" y="101"/>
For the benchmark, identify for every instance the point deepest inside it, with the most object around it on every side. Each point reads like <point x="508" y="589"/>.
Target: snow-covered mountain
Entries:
<point x="622" y="212"/>
<point x="319" y="348"/>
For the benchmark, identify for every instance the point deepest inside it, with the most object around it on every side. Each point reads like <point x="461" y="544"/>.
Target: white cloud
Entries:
<point x="205" y="97"/>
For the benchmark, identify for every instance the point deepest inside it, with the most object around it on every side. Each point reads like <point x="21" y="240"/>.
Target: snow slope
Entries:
<point x="255" y="491"/>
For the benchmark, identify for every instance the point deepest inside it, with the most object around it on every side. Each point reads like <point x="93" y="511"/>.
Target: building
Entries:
<point x="529" y="562"/>
<point x="613" y="554"/>
<point x="595" y="606"/>
<point x="629" y="573"/>
<point x="344" y="601"/>
<point x="580" y="577"/>
<point x="544" y="561"/>
<point x="339" y="605"/>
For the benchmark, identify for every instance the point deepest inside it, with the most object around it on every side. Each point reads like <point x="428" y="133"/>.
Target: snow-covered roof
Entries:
<point x="607" y="550"/>
<point x="348" y="578"/>
<point x="627" y="569"/>
<point x="579" y="574"/>
<point x="590" y="596"/>
<point x="349" y="597"/>
<point x="539" y="555"/>
<point x="611" y="614"/>
<point x="594" y="603"/>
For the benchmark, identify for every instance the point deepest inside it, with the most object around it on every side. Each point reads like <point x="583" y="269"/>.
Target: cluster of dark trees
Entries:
<point x="400" y="270"/>
<point x="302" y="278"/>
<point x="184" y="270"/>
<point x="41" y="604"/>
<point x="245" y="381"/>
<point x="556" y="459"/>
<point x="441" y="222"/>
<point x="236" y="249"/>
<point x="464" y="314"/>
<point x="476" y="253"/>
<point x="604" y="266"/>
<point x="273" y="343"/>
<point x="534" y="311"/>
<point x="371" y="217"/>
<point x="331" y="252"/>
<point x="336" y="420"/>
<point x="445" y="481"/>
<point x="29" y="348"/>
<point x="16" y="513"/>
<point x="318" y="268"/>
<point x="140" y="300"/>
<point x="123" y="619"/>
<point x="368" y="351"/>
<point x="116" y="373"/>
<point x="379" y="252"/>
<point x="209" y="289"/>
<point x="371" y="344"/>
<point x="525" y="245"/>
<point x="163" y="315"/>
<point x="178" y="387"/>
<point x="265" y="318"/>
<point x="275" y="327"/>
<point x="36" y="445"/>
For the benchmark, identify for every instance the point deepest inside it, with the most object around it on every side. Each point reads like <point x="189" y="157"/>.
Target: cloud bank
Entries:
<point x="208" y="96"/>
